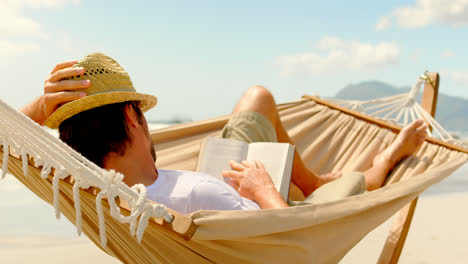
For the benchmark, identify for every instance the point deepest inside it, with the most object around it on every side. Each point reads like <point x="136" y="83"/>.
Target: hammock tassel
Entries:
<point x="55" y="185"/>
<point x="102" y="223"/>
<point x="143" y="223"/>
<point x="138" y="206"/>
<point x="24" y="160"/>
<point x="76" y="198"/>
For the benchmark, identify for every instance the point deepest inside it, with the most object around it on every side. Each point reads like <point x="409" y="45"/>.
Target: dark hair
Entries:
<point x="96" y="132"/>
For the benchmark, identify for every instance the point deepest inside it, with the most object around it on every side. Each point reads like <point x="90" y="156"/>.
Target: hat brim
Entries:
<point x="92" y="101"/>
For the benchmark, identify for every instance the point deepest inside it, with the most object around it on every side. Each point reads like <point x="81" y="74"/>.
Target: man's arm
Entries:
<point x="56" y="92"/>
<point x="253" y="182"/>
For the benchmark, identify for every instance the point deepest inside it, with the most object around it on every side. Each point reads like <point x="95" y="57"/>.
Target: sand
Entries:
<point x="438" y="235"/>
<point x="50" y="250"/>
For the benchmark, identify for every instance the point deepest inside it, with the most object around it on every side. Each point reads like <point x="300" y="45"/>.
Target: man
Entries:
<point x="99" y="114"/>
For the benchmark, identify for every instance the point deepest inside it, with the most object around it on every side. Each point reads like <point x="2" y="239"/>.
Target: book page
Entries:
<point x="217" y="152"/>
<point x="277" y="159"/>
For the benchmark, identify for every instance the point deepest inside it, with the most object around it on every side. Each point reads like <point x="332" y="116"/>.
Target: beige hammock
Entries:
<point x="328" y="137"/>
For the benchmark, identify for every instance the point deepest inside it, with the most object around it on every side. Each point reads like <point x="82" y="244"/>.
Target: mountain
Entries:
<point x="452" y="112"/>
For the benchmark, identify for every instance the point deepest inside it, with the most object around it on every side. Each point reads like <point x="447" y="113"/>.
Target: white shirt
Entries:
<point x="188" y="191"/>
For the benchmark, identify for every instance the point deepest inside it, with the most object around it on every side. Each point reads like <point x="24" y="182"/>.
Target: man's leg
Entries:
<point x="407" y="142"/>
<point x="260" y="100"/>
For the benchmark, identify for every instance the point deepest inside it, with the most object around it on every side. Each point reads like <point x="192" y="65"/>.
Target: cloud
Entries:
<point x="13" y="21"/>
<point x="18" y="5"/>
<point x="18" y="33"/>
<point x="10" y="49"/>
<point x="448" y="53"/>
<point x="383" y="24"/>
<point x="333" y="54"/>
<point x="457" y="76"/>
<point x="17" y="25"/>
<point x="426" y="12"/>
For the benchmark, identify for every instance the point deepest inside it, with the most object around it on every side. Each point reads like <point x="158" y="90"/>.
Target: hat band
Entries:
<point x="121" y="89"/>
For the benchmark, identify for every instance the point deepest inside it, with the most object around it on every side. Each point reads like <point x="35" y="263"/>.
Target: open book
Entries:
<point x="215" y="154"/>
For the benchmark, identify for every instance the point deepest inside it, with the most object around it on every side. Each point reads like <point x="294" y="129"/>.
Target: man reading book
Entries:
<point x="99" y="114"/>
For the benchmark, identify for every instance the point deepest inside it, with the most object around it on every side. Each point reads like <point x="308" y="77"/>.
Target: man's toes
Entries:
<point x="415" y="124"/>
<point x="422" y="128"/>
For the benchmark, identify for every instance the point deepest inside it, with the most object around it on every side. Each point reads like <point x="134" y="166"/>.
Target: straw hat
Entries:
<point x="110" y="84"/>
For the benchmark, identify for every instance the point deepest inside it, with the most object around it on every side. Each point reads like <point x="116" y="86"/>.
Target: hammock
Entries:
<point x="128" y="227"/>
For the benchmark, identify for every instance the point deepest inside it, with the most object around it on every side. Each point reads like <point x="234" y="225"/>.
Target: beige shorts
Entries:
<point x="349" y="184"/>
<point x="249" y="127"/>
<point x="254" y="127"/>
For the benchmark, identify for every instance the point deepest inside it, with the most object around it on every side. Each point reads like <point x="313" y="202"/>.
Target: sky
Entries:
<point x="198" y="57"/>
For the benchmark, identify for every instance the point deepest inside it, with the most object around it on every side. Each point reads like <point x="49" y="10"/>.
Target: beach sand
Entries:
<point x="50" y="250"/>
<point x="438" y="234"/>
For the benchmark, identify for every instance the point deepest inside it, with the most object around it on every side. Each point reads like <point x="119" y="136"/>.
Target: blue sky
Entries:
<point x="199" y="56"/>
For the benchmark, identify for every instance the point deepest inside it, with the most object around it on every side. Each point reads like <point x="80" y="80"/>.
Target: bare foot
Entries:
<point x="407" y="142"/>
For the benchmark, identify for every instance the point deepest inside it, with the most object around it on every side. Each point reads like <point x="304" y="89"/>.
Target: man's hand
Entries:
<point x="253" y="182"/>
<point x="56" y="92"/>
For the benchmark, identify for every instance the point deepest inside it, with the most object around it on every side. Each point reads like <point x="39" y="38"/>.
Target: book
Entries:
<point x="277" y="158"/>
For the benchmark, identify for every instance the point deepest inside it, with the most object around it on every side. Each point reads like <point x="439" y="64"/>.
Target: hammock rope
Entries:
<point x="401" y="109"/>
<point x="29" y="139"/>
